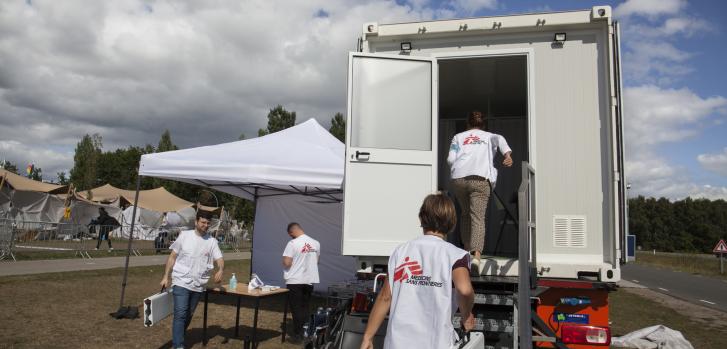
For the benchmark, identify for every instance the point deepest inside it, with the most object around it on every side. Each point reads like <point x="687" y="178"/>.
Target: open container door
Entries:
<point x="391" y="157"/>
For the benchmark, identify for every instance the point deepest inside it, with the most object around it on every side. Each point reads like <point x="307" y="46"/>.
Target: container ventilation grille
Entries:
<point x="569" y="231"/>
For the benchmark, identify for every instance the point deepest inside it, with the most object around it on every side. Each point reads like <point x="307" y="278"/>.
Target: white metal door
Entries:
<point x="391" y="161"/>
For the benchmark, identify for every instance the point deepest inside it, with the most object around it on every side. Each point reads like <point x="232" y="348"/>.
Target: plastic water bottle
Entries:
<point x="233" y="282"/>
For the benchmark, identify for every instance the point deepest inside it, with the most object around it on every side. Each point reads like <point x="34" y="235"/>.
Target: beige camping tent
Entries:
<point x="159" y="199"/>
<point x="18" y="182"/>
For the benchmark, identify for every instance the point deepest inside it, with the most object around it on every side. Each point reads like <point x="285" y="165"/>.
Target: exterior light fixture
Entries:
<point x="406" y="47"/>
<point x="559" y="38"/>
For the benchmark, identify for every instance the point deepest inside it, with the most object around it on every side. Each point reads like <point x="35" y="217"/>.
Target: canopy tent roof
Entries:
<point x="159" y="199"/>
<point x="18" y="182"/>
<point x="303" y="159"/>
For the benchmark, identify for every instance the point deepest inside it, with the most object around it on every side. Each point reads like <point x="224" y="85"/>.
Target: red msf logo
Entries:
<point x="406" y="270"/>
<point x="307" y="248"/>
<point x="472" y="139"/>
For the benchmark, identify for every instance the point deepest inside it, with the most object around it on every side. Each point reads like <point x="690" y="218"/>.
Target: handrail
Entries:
<point x="525" y="253"/>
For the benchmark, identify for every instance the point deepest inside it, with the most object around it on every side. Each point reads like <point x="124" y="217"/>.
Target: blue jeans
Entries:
<point x="185" y="301"/>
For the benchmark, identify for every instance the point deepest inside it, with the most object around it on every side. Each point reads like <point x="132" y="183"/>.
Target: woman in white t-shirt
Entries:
<point x="471" y="157"/>
<point x="418" y="294"/>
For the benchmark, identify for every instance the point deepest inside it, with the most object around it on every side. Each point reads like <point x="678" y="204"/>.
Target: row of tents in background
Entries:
<point x="24" y="200"/>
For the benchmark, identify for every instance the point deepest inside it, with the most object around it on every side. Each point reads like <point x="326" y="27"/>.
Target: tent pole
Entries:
<point x="131" y="238"/>
<point x="252" y="240"/>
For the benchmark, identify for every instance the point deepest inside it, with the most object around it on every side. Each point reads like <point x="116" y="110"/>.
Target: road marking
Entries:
<point x="638" y="280"/>
<point x="708" y="302"/>
<point x="663" y="289"/>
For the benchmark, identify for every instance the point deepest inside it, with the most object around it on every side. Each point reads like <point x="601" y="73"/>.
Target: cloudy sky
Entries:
<point x="210" y="70"/>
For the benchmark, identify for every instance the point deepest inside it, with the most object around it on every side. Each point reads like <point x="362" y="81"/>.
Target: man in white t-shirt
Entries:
<point x="300" y="262"/>
<point x="191" y="264"/>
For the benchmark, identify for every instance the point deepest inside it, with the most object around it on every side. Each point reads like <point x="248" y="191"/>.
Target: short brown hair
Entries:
<point x="476" y="119"/>
<point x="203" y="214"/>
<point x="437" y="214"/>
<point x="292" y="225"/>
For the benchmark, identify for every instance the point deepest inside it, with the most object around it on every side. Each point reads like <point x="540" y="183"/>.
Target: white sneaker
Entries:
<point x="95" y="249"/>
<point x="111" y="249"/>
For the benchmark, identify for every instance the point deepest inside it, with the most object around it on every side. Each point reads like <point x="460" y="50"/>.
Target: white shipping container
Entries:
<point x="549" y="83"/>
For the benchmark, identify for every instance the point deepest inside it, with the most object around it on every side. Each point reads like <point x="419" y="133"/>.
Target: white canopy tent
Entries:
<point x="292" y="175"/>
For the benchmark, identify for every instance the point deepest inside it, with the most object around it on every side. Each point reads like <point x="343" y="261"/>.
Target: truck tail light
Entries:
<point x="585" y="335"/>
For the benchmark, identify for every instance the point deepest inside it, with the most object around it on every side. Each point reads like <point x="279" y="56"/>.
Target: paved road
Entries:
<point x="701" y="290"/>
<point x="60" y="265"/>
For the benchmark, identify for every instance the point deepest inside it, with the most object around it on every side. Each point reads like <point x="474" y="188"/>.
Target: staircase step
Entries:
<point x="488" y="325"/>
<point x="494" y="299"/>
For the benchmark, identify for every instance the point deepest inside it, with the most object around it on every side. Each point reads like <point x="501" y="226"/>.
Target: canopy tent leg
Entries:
<point x="131" y="238"/>
<point x="252" y="233"/>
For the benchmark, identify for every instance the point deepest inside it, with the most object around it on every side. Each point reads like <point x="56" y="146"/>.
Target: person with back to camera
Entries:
<point x="190" y="264"/>
<point x="300" y="263"/>
<point x="471" y="157"/>
<point x="419" y="291"/>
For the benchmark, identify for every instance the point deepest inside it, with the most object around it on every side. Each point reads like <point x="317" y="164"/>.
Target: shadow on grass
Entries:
<point x="224" y="335"/>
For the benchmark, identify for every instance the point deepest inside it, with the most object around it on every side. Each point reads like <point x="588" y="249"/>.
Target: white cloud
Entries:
<point x="49" y="160"/>
<point x="207" y="71"/>
<point x="656" y="115"/>
<point x="649" y="8"/>
<point x="650" y="175"/>
<point x="655" y="62"/>
<point x="716" y="163"/>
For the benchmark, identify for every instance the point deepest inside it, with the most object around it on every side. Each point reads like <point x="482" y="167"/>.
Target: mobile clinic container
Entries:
<point x="550" y="84"/>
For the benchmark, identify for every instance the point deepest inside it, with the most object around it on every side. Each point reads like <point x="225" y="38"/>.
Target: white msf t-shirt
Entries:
<point x="305" y="252"/>
<point x="195" y="260"/>
<point x="422" y="302"/>
<point x="472" y="152"/>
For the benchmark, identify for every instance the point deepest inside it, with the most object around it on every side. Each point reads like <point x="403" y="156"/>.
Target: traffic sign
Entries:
<point x="721" y="247"/>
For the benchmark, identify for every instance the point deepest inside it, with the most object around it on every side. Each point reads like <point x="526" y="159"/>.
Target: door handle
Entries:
<point x="359" y="154"/>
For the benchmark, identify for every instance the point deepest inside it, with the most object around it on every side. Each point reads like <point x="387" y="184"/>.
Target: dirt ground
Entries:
<point x="71" y="310"/>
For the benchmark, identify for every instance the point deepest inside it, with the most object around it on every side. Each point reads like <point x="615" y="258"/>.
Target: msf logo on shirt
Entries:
<point x="406" y="270"/>
<point x="472" y="139"/>
<point x="410" y="272"/>
<point x="307" y="248"/>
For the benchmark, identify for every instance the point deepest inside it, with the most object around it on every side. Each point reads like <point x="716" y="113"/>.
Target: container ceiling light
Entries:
<point x="559" y="38"/>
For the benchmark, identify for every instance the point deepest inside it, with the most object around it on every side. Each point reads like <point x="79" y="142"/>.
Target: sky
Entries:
<point x="209" y="71"/>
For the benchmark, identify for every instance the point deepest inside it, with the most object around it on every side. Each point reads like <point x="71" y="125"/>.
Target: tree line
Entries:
<point x="93" y="167"/>
<point x="688" y="225"/>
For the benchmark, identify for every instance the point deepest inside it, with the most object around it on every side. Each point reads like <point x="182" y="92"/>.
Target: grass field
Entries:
<point x="701" y="264"/>
<point x="70" y="310"/>
<point x="632" y="309"/>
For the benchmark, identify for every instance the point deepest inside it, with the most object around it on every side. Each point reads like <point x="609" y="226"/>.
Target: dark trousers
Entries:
<point x="103" y="235"/>
<point x="300" y="295"/>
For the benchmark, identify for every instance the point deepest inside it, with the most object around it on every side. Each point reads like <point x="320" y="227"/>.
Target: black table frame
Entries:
<point x="237" y="317"/>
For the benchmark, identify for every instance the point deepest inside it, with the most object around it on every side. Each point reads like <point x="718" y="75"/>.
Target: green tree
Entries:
<point x="165" y="143"/>
<point x="278" y="119"/>
<point x="85" y="162"/>
<point x="338" y="127"/>
<point x="36" y="174"/>
<point x="62" y="179"/>
<point x="8" y="166"/>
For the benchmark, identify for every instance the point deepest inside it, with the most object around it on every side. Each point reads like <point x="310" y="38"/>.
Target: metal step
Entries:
<point x="494" y="299"/>
<point x="488" y="325"/>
